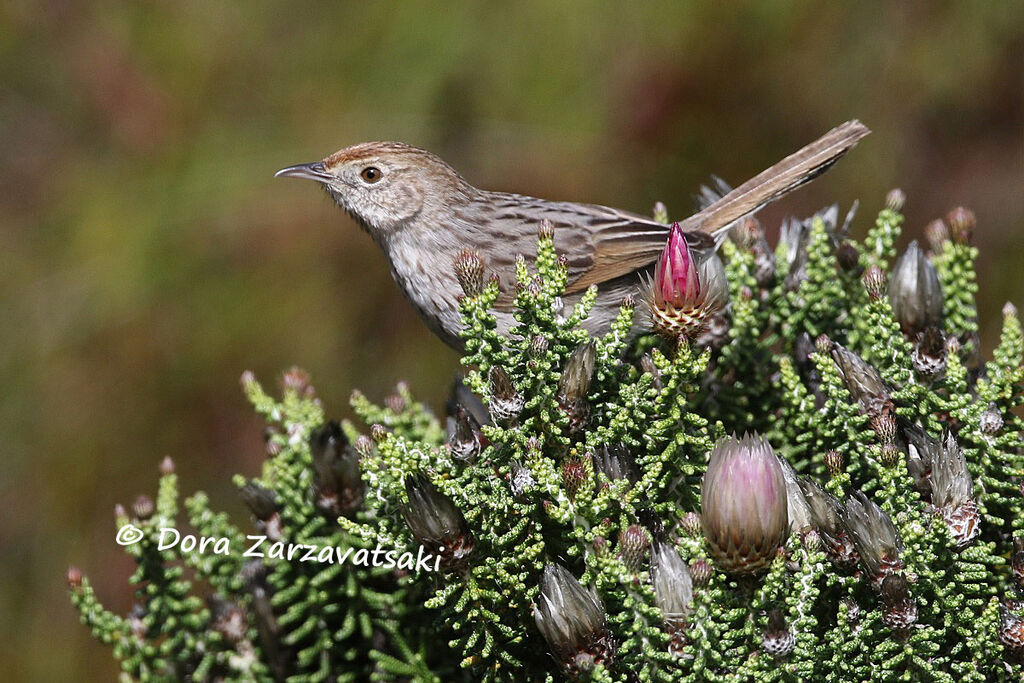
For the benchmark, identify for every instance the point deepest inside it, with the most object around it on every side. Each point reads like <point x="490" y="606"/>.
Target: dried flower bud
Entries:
<point x="546" y="230"/>
<point x="827" y="514"/>
<point x="673" y="586"/>
<point x="937" y="234"/>
<point x="1017" y="561"/>
<point x="378" y="432"/>
<point x="660" y="212"/>
<point x="677" y="299"/>
<point x="874" y="535"/>
<point x="848" y="256"/>
<point x="648" y="366"/>
<point x="863" y="382"/>
<point x="615" y="462"/>
<point x="364" y="446"/>
<point x="1011" y="628"/>
<point x="337" y="483"/>
<point x="743" y="504"/>
<point x="396" y="403"/>
<point x="895" y="199"/>
<point x="799" y="512"/>
<point x="136" y="619"/>
<point x="260" y="501"/>
<point x="920" y="454"/>
<point x="227" y="619"/>
<point x="143" y="507"/>
<point x="633" y="543"/>
<point x="852" y="608"/>
<point x="520" y="479"/>
<point x="715" y="333"/>
<point x="873" y="280"/>
<point x="778" y="640"/>
<point x="991" y="420"/>
<point x="506" y="403"/>
<point x="915" y="292"/>
<point x="961" y="223"/>
<point x="469" y="271"/>
<point x="464" y="438"/>
<point x="574" y="473"/>
<point x="701" y="572"/>
<point x="538" y="346"/>
<point x="572" y="621"/>
<point x="834" y="462"/>
<point x="575" y="383"/>
<point x="885" y="427"/>
<point x="822" y="344"/>
<point x="435" y="521"/>
<point x="952" y="492"/>
<point x="899" y="610"/>
<point x="929" y="355"/>
<point x="889" y="454"/>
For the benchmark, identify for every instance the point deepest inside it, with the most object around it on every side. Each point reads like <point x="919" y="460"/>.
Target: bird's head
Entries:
<point x="383" y="185"/>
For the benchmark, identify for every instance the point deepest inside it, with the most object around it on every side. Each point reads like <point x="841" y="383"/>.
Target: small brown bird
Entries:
<point x="422" y="214"/>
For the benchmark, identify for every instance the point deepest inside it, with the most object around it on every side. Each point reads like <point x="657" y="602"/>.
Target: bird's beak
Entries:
<point x="314" y="171"/>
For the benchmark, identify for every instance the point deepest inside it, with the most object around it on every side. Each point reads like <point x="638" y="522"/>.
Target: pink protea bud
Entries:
<point x="572" y="621"/>
<point x="744" y="505"/>
<point x="677" y="298"/>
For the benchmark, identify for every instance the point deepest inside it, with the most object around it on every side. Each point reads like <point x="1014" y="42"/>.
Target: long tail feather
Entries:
<point x="784" y="177"/>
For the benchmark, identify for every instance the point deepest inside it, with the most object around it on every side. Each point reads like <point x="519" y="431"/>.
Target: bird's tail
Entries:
<point x="784" y="177"/>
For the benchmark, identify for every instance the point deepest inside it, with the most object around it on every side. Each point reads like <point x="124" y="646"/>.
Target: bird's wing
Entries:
<point x="602" y="243"/>
<point x="599" y="243"/>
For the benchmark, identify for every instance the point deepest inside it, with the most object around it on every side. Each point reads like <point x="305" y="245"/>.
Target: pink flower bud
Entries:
<point x="744" y="504"/>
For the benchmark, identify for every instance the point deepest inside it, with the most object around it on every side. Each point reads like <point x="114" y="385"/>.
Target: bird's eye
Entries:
<point x="370" y="174"/>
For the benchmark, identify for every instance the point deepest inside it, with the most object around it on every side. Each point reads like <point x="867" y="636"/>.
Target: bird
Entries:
<point x="423" y="214"/>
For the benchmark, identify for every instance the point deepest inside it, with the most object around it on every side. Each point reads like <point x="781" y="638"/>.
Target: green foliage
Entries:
<point x="536" y="492"/>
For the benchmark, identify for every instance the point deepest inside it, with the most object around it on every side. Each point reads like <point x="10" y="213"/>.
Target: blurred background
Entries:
<point x="148" y="256"/>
